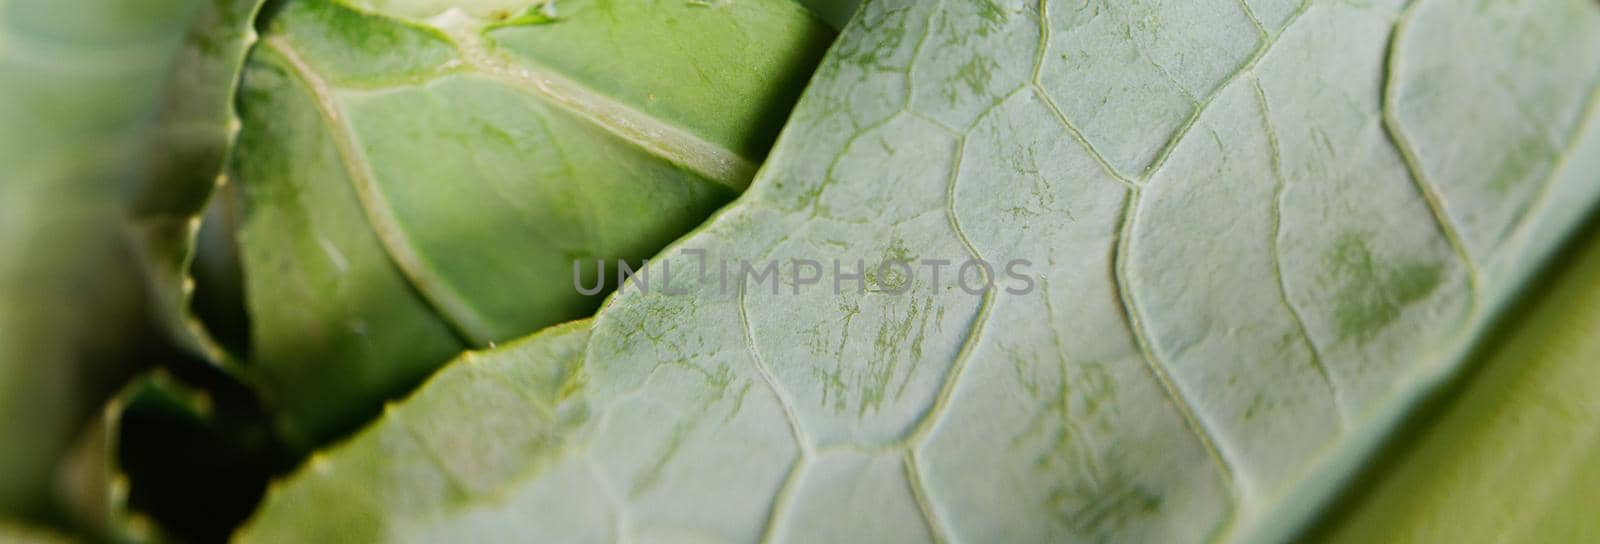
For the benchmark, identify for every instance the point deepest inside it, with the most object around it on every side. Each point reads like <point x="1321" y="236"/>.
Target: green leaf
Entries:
<point x="195" y="130"/>
<point x="80" y="80"/>
<point x="1258" y="235"/>
<point x="415" y="180"/>
<point x="429" y="454"/>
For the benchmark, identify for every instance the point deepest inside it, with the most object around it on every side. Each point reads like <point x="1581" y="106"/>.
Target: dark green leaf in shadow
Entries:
<point x="169" y="461"/>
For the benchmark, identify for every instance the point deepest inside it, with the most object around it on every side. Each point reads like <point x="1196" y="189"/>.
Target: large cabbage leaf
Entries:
<point x="1259" y="234"/>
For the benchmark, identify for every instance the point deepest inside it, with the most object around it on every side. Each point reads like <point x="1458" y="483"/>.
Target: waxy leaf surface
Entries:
<point x="1258" y="233"/>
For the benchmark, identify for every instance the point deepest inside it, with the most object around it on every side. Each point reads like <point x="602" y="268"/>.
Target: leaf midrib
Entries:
<point x="661" y="139"/>
<point x="468" y="324"/>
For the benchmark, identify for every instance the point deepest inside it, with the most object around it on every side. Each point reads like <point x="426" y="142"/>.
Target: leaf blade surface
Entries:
<point x="1240" y="283"/>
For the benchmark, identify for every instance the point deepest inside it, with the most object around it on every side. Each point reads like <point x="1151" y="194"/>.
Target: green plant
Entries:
<point x="1243" y="255"/>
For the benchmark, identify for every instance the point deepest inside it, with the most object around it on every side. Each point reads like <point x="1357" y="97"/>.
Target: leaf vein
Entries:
<point x="781" y="502"/>
<point x="674" y="144"/>
<point x="1037" y="85"/>
<point x="1279" y="191"/>
<point x="1586" y="119"/>
<point x="1397" y="138"/>
<point x="454" y="310"/>
<point x="919" y="493"/>
<point x="1158" y="371"/>
<point x="958" y="367"/>
<point x="1201" y="108"/>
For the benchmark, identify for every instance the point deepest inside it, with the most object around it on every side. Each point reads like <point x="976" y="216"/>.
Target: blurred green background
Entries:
<point x="80" y="82"/>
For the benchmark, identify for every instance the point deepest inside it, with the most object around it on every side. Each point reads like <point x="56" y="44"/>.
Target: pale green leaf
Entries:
<point x="1253" y="250"/>
<point x="432" y="454"/>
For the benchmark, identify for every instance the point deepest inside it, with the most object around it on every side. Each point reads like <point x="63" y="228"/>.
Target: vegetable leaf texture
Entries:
<point x="1261" y="233"/>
